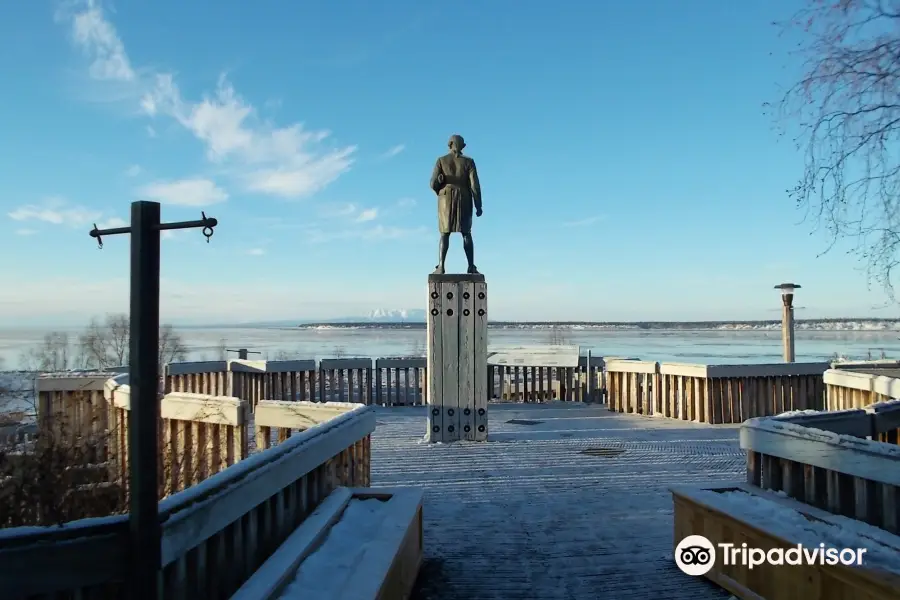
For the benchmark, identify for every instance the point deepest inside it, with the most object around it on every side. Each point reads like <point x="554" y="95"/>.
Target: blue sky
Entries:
<point x="627" y="167"/>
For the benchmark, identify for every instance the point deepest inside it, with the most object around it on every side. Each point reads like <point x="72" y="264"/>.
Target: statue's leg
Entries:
<point x="469" y="247"/>
<point x="443" y="246"/>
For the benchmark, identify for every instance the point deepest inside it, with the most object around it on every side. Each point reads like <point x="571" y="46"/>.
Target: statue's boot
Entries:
<point x="473" y="270"/>
<point x="438" y="270"/>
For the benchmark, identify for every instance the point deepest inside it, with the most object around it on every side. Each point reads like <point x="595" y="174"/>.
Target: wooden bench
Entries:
<point x="700" y="512"/>
<point x="359" y="544"/>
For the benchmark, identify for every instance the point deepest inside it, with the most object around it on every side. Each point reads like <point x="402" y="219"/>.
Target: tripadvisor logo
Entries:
<point x="695" y="555"/>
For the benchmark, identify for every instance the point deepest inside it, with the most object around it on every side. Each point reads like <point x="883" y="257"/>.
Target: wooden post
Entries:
<point x="787" y="331"/>
<point x="143" y="440"/>
<point x="143" y="368"/>
<point x="589" y="378"/>
<point x="457" y="358"/>
<point x="787" y="319"/>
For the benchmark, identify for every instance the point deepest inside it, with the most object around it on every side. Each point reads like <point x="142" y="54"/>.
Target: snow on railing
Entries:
<point x="846" y="462"/>
<point x="853" y="389"/>
<point x="251" y="506"/>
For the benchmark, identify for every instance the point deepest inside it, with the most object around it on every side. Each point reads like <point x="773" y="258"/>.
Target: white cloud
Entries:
<point x="288" y="162"/>
<point x="151" y="132"/>
<point x="392" y="152"/>
<point x="26" y="231"/>
<point x="372" y="234"/>
<point x="98" y="41"/>
<point x="256" y="252"/>
<point x="338" y="210"/>
<point x="133" y="171"/>
<point x="382" y="232"/>
<point x="348" y="211"/>
<point x="370" y="214"/>
<point x="406" y="202"/>
<point x="279" y="161"/>
<point x="57" y="212"/>
<point x="185" y="192"/>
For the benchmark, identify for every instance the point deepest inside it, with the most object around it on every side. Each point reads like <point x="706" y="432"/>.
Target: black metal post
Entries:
<point x="243" y="353"/>
<point x="144" y="415"/>
<point x="143" y="366"/>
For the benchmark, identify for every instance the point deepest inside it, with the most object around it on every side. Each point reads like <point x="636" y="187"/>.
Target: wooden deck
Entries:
<point x="528" y="515"/>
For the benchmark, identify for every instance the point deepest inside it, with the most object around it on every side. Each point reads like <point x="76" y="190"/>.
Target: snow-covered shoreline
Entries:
<point x="825" y="325"/>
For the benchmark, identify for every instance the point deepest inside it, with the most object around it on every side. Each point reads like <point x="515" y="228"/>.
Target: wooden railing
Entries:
<point x="384" y="381"/>
<point x="73" y="409"/>
<point x="199" y="435"/>
<point x="631" y="385"/>
<point x="214" y="533"/>
<point x="713" y="393"/>
<point x="806" y="472"/>
<point x="852" y="389"/>
<point x="584" y="383"/>
<point x="280" y="419"/>
<point x="845" y="462"/>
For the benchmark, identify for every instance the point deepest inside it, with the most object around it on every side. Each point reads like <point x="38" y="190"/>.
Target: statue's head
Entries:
<point x="456" y="143"/>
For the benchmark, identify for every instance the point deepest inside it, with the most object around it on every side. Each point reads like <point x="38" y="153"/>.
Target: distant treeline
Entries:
<point x="669" y="325"/>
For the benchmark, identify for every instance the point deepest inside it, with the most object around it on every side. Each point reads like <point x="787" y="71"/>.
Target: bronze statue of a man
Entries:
<point x="455" y="181"/>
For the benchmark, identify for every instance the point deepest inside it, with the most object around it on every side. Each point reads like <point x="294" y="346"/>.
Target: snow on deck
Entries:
<point x="527" y="515"/>
<point x="325" y="573"/>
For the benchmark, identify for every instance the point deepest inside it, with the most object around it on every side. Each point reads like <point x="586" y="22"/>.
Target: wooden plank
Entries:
<point x="480" y="349"/>
<point x="194" y="515"/>
<point x="631" y="366"/>
<point x="298" y="415"/>
<point x="696" y="516"/>
<point x="534" y="356"/>
<point x="53" y="560"/>
<point x="856" y="423"/>
<point x="885" y="416"/>
<point x="290" y="366"/>
<point x="328" y="364"/>
<point x="767" y="370"/>
<point x="434" y="367"/>
<point x="50" y="383"/>
<point x="277" y="572"/>
<point x="450" y="298"/>
<point x="387" y="566"/>
<point x="467" y="361"/>
<point x="400" y="363"/>
<point x="843" y="454"/>
<point x="186" y="368"/>
<point x="219" y="410"/>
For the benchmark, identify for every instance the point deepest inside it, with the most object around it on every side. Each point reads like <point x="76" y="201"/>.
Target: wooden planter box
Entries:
<point x="693" y="516"/>
<point x="375" y="554"/>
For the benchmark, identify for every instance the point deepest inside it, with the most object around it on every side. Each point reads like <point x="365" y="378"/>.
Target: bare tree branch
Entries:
<point x="102" y="345"/>
<point x="847" y="107"/>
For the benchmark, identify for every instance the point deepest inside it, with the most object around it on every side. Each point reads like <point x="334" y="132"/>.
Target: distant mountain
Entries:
<point x="375" y="317"/>
<point x="406" y="318"/>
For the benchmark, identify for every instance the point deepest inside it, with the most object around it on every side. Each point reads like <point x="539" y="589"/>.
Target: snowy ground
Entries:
<point x="527" y="515"/>
<point x="17" y="405"/>
<point x="16" y="392"/>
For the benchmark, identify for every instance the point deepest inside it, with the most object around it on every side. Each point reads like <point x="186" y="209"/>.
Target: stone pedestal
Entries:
<point x="457" y="358"/>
